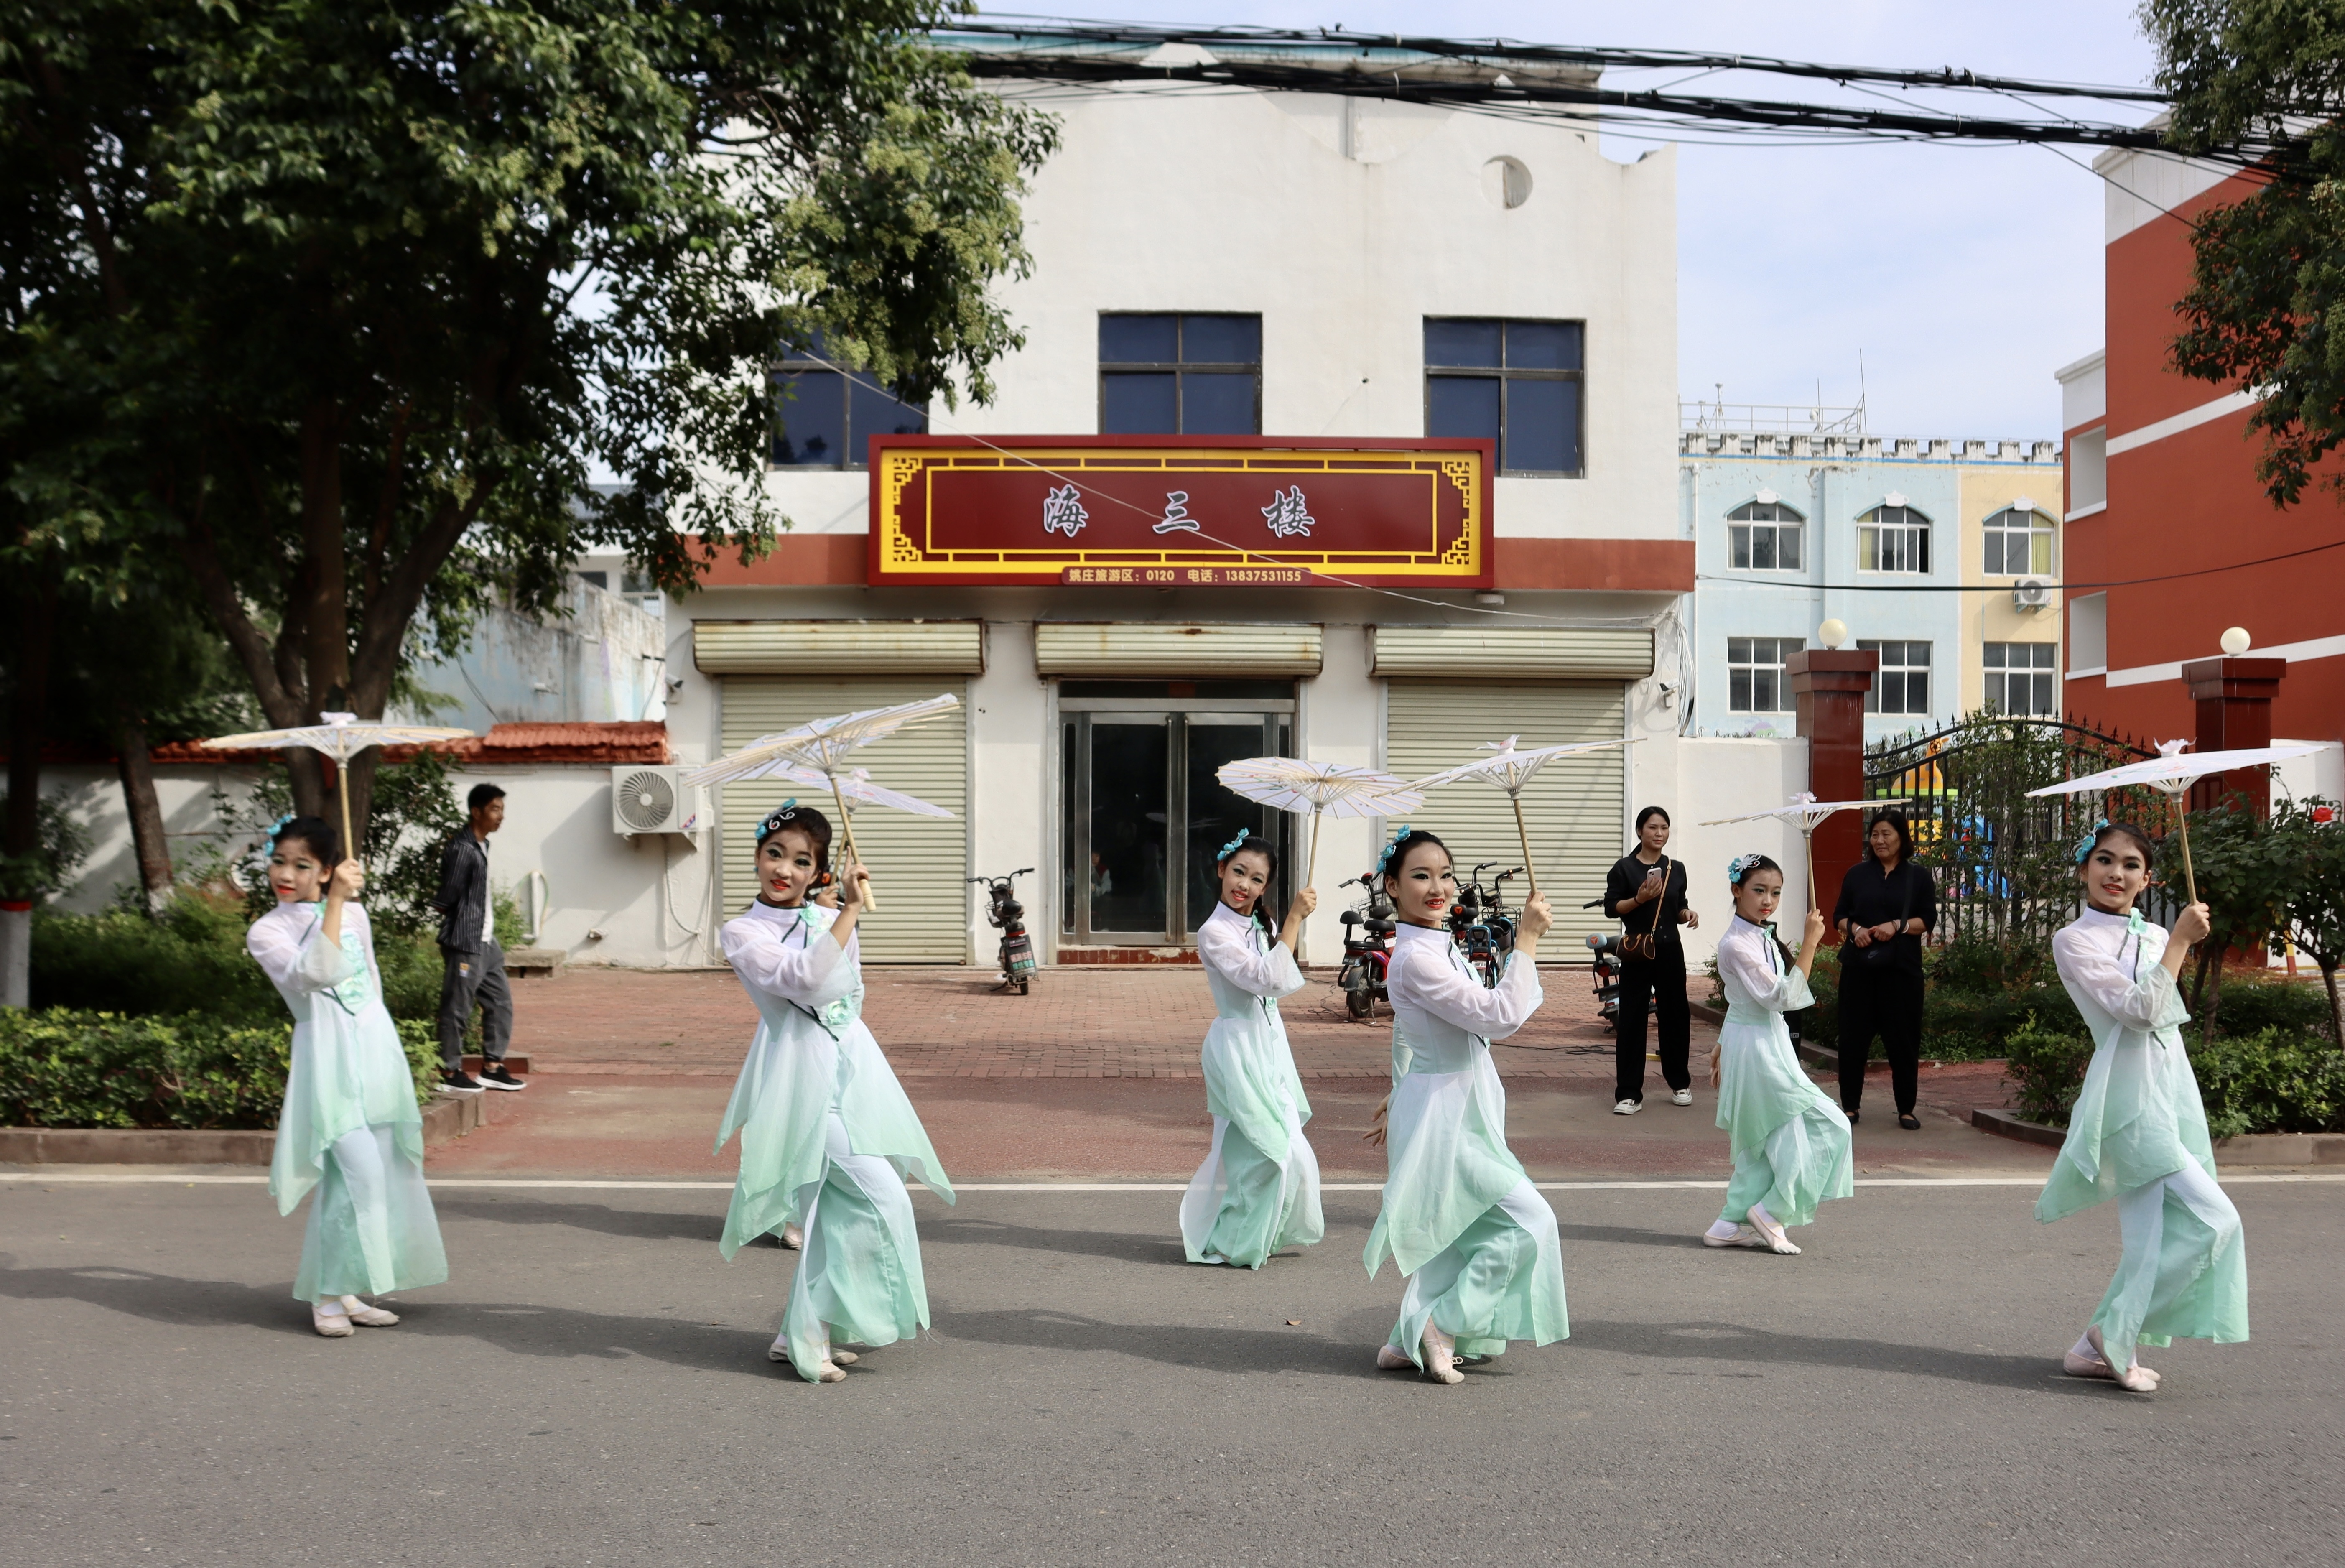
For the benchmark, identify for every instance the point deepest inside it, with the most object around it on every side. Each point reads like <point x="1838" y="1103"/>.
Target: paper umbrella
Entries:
<point x="1810" y="813"/>
<point x="1510" y="770"/>
<point x="2171" y="774"/>
<point x="1322" y="789"/>
<point x="342" y="737"/>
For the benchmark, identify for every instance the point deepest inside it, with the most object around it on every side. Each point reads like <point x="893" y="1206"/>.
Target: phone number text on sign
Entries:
<point x="1187" y="576"/>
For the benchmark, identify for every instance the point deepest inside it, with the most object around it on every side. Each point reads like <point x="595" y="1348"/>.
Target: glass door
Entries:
<point x="1143" y="815"/>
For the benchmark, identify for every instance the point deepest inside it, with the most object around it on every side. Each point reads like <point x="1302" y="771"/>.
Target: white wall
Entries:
<point x="1246" y="202"/>
<point x="1699" y="779"/>
<point x="2322" y="773"/>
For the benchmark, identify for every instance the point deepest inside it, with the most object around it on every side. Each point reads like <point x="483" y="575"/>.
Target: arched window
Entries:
<point x="2019" y="540"/>
<point x="1892" y="537"/>
<point x="1763" y="535"/>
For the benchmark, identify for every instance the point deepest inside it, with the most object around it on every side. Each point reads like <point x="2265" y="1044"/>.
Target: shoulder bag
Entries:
<point x="1646" y="945"/>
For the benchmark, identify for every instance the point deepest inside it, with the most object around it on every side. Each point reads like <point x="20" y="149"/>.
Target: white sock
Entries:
<point x="2085" y="1349"/>
<point x="1724" y="1229"/>
<point x="330" y="1308"/>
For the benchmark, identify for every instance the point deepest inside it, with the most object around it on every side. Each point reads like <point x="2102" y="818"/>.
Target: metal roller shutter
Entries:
<point x="1529" y="652"/>
<point x="838" y="647"/>
<point x="918" y="861"/>
<point x="1175" y="650"/>
<point x="1573" y="807"/>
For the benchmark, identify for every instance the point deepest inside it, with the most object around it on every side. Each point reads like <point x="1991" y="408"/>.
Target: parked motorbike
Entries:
<point x="1480" y="925"/>
<point x="1007" y="916"/>
<point x="1368" y="928"/>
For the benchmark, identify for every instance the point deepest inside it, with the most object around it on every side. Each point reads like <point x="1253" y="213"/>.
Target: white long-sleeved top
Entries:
<point x="2105" y="964"/>
<point x="1442" y="1009"/>
<point x="783" y="953"/>
<point x="1244" y="957"/>
<point x="1756" y="978"/>
<point x="286" y="943"/>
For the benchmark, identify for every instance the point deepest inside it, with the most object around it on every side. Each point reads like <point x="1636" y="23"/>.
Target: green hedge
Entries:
<point x="191" y="959"/>
<point x="2267" y="1082"/>
<point x="83" y="1069"/>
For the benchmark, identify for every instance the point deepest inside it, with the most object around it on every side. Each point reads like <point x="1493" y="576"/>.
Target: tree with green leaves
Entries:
<point x="2313" y="831"/>
<point x="2246" y="872"/>
<point x="380" y="287"/>
<point x="2267" y="288"/>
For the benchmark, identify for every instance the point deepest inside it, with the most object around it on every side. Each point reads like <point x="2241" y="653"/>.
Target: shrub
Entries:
<point x="190" y="959"/>
<point x="85" y="1069"/>
<point x="2046" y="1065"/>
<point x="2271" y="1082"/>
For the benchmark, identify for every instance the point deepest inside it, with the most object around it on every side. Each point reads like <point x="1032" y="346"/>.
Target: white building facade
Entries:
<point x="1284" y="269"/>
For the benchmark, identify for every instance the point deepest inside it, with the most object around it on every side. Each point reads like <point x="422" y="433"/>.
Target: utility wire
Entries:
<point x="2006" y="587"/>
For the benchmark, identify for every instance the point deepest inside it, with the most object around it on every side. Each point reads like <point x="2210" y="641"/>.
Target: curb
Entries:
<point x="446" y="1117"/>
<point x="2247" y="1149"/>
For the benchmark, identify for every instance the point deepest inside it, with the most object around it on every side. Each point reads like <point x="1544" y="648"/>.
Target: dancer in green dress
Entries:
<point x="1459" y="1217"/>
<point x="826" y="1135"/>
<point x="1258" y="1190"/>
<point x="349" y="1129"/>
<point x="2138" y="1131"/>
<point x="1790" y="1143"/>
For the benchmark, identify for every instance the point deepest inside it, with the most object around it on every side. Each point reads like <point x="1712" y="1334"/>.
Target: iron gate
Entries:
<point x="2005" y="864"/>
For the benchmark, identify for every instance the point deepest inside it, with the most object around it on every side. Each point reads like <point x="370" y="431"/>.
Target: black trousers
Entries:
<point x="1660" y="981"/>
<point x="468" y="978"/>
<point x="1886" y="1001"/>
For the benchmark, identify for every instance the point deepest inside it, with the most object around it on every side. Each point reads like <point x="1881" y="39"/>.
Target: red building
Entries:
<point x="2161" y="480"/>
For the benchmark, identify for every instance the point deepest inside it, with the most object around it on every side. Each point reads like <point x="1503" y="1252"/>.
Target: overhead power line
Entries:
<point x="1517" y="80"/>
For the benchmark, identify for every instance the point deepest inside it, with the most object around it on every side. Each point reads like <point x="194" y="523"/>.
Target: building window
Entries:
<point x="2089" y="633"/>
<point x="1904" y="684"/>
<point x="826" y="417"/>
<point x="1892" y="537"/>
<point x="1180" y="375"/>
<point x="2019" y="678"/>
<point x="2019" y="543"/>
<point x="1513" y="382"/>
<point x="1763" y="535"/>
<point x="1755" y="681"/>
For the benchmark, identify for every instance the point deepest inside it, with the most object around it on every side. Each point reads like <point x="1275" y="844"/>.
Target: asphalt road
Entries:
<point x="593" y="1388"/>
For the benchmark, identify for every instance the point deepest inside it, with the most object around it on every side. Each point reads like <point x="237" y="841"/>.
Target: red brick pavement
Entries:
<point x="1102" y="1022"/>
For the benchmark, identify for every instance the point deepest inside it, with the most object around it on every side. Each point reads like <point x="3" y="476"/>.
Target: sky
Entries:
<point x="1964" y="276"/>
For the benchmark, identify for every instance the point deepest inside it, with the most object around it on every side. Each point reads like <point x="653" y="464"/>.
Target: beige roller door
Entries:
<point x="918" y="863"/>
<point x="1175" y="650"/>
<point x="1572" y="808"/>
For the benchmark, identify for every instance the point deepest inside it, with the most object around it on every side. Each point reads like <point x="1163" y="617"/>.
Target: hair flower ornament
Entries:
<point x="1232" y="848"/>
<point x="1736" y="867"/>
<point x="779" y="817"/>
<point x="2085" y="845"/>
<point x="1384" y="858"/>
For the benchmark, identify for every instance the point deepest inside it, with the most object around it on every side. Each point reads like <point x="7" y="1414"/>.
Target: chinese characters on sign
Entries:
<point x="1062" y="510"/>
<point x="1186" y="577"/>
<point x="1287" y="514"/>
<point x="1176" y="514"/>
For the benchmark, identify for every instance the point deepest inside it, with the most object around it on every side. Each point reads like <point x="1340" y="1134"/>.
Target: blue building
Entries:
<point x="1792" y="530"/>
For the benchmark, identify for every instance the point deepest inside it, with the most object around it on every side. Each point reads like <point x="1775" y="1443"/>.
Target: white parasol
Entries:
<point x="2171" y="774"/>
<point x="342" y="737"/>
<point x="856" y="785"/>
<point x="1510" y="770"/>
<point x="1322" y="789"/>
<point x="1810" y="813"/>
<point x="822" y="748"/>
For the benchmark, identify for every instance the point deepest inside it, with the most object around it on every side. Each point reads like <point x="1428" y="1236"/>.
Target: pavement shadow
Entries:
<point x="635" y="1224"/>
<point x="1120" y="1247"/>
<point x="1713" y="1341"/>
<point x="1221" y="1349"/>
<point x="557" y="1333"/>
<point x="1631" y="1236"/>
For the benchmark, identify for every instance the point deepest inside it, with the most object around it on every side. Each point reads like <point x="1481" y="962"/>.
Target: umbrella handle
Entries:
<point x="343" y="784"/>
<point x="2189" y="879"/>
<point x="854" y="858"/>
<point x="1311" y="867"/>
<point x="1808" y="837"/>
<point x="1529" y="870"/>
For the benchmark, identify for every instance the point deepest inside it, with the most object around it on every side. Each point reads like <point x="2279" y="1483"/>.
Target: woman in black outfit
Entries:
<point x="1887" y="904"/>
<point x="1646" y="892"/>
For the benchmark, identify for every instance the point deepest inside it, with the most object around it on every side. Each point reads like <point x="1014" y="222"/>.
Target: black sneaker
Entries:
<point x="496" y="1076"/>
<point x="460" y="1083"/>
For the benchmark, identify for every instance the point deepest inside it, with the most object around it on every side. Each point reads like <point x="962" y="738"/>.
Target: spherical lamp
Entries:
<point x="2236" y="641"/>
<point x="1834" y="632"/>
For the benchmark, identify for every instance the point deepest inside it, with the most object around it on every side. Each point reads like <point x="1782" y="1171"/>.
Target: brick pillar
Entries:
<point x="2234" y="697"/>
<point x="1828" y="690"/>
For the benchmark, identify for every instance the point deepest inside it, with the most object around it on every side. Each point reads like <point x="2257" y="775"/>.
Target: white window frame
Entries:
<point x="2032" y="524"/>
<point x="1751" y="665"/>
<point x="1908" y="533"/>
<point x="1764" y="516"/>
<point x="2042" y="672"/>
<point x="1905" y="669"/>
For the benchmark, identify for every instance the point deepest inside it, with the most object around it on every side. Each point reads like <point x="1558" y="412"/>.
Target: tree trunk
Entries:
<point x="20" y="832"/>
<point x="2336" y="1014"/>
<point x="147" y="835"/>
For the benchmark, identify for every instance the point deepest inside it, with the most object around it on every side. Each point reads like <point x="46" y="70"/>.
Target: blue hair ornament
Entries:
<point x="1384" y="858"/>
<point x="2085" y="845"/>
<point x="277" y="827"/>
<point x="778" y="819"/>
<point x="1226" y="851"/>
<point x="1740" y="864"/>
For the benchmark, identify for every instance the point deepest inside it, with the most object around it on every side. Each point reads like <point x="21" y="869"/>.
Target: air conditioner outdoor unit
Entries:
<point x="649" y="798"/>
<point x="2030" y="594"/>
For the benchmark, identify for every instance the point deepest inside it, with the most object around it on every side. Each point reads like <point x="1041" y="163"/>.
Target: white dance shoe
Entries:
<point x="366" y="1315"/>
<point x="332" y="1321"/>
<point x="1440" y="1356"/>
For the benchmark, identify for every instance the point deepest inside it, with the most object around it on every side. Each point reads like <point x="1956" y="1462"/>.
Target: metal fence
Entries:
<point x="2005" y="864"/>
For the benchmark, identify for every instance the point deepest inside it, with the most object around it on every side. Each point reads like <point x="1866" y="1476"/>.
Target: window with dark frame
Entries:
<point x="2018" y="542"/>
<point x="1180" y="375"/>
<point x="1763" y="536"/>
<point x="1755" y="681"/>
<point x="1892" y="537"/>
<point x="2021" y="678"/>
<point x="1902" y="685"/>
<point x="1515" y="382"/>
<point x="825" y="417"/>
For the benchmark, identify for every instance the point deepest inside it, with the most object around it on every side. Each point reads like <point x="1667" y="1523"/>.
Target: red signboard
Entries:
<point x="1179" y="511"/>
